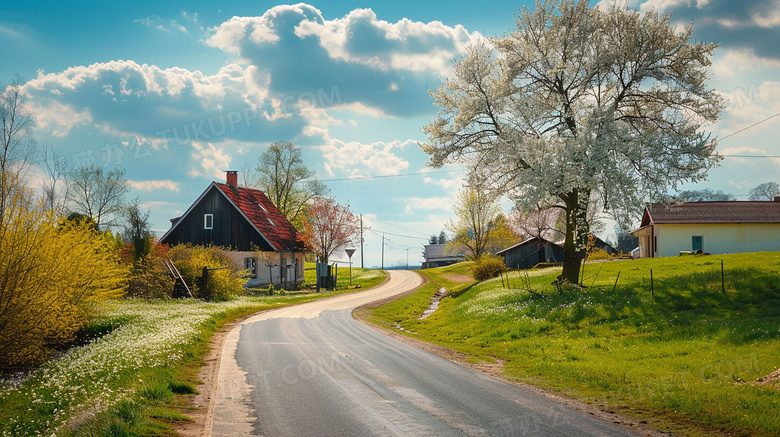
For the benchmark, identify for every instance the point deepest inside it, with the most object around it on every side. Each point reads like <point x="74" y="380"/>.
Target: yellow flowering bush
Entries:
<point x="51" y="275"/>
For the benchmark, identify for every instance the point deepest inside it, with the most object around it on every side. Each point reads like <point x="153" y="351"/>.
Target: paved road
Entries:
<point x="312" y="370"/>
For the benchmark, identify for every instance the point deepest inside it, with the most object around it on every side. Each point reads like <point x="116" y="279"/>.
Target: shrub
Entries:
<point x="222" y="284"/>
<point x="487" y="267"/>
<point x="51" y="278"/>
<point x="598" y="253"/>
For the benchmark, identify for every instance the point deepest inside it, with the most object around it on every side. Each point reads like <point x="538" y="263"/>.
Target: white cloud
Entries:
<point x="739" y="61"/>
<point x="766" y="14"/>
<point x="212" y="161"/>
<point x="360" y="37"/>
<point x="415" y="204"/>
<point x="746" y="106"/>
<point x="166" y="184"/>
<point x="376" y="159"/>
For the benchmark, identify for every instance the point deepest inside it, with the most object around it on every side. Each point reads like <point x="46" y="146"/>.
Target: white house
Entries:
<point x="712" y="227"/>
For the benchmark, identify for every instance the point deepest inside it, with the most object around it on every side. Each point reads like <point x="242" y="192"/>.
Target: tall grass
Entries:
<point x="128" y="373"/>
<point x="679" y="353"/>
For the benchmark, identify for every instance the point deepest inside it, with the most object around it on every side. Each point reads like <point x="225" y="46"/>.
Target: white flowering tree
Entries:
<point x="580" y="105"/>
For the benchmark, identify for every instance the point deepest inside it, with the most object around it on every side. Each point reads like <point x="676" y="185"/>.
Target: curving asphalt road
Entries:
<point x="313" y="370"/>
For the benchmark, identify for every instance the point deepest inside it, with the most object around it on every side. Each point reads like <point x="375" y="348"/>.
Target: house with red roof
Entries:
<point x="711" y="227"/>
<point x="250" y="228"/>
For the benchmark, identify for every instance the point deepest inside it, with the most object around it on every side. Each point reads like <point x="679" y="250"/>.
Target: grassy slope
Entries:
<point x="672" y="359"/>
<point x="130" y="378"/>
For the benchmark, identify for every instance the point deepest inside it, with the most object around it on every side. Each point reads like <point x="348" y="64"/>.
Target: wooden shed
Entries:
<point x="530" y="252"/>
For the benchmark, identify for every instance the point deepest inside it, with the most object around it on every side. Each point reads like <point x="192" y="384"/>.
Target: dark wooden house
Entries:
<point x="531" y="252"/>
<point x="245" y="223"/>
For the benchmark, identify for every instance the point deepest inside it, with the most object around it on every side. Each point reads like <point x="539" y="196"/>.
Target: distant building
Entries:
<point x="437" y="256"/>
<point x="531" y="252"/>
<point x="711" y="227"/>
<point x="250" y="228"/>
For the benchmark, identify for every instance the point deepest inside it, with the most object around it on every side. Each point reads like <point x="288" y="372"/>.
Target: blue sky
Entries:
<point x="177" y="92"/>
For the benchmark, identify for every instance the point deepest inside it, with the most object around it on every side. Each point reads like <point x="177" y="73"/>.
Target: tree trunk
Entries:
<point x="576" y="236"/>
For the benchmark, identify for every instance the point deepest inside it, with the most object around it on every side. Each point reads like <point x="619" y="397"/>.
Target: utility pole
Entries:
<point x="361" y="242"/>
<point x="383" y="251"/>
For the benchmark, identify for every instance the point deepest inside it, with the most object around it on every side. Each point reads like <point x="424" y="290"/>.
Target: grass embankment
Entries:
<point x="133" y="375"/>
<point x="680" y="354"/>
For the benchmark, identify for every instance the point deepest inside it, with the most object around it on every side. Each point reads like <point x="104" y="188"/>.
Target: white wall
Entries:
<point x="718" y="238"/>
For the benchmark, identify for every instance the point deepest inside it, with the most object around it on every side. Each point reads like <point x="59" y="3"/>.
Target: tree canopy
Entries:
<point x="580" y="105"/>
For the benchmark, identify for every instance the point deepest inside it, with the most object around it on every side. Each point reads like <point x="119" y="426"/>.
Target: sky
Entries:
<point x="177" y="92"/>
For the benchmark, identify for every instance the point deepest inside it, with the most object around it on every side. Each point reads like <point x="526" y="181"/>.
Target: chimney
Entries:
<point x="777" y="199"/>
<point x="232" y="178"/>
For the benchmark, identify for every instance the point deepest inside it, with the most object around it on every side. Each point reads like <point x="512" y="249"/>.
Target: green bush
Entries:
<point x="487" y="267"/>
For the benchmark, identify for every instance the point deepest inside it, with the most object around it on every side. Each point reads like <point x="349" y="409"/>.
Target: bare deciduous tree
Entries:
<point x="580" y="105"/>
<point x="17" y="145"/>
<point x="286" y="181"/>
<point x="98" y="194"/>
<point x="765" y="191"/>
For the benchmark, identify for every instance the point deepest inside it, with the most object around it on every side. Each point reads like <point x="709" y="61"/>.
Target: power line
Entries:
<point x="357" y="178"/>
<point x="750" y="156"/>
<point x="751" y="126"/>
<point x="400" y="227"/>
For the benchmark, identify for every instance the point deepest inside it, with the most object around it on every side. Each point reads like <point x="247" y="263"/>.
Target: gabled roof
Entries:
<point x="535" y="240"/>
<point x="264" y="216"/>
<point x="711" y="212"/>
<point x="259" y="211"/>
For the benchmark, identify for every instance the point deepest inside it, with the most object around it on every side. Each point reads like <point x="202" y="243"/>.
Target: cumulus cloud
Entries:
<point x="747" y="105"/>
<point x="737" y="24"/>
<point x="127" y="98"/>
<point x="210" y="161"/>
<point x="375" y="63"/>
<point x="375" y="159"/>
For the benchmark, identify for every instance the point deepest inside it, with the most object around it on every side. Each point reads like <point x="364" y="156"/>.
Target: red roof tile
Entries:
<point x="265" y="216"/>
<point x="712" y="212"/>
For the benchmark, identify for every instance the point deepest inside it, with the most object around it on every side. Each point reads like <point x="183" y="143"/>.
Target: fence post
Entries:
<point x="722" y="279"/>
<point x="205" y="285"/>
<point x="616" y="280"/>
<point x="652" y="287"/>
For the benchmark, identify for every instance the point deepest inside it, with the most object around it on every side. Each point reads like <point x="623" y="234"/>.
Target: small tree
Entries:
<point x="98" y="194"/>
<point x="765" y="191"/>
<point x="580" y="105"/>
<point x="137" y="230"/>
<point x="328" y="227"/>
<point x="475" y="211"/>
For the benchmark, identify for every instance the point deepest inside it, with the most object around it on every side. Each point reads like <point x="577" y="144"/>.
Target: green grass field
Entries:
<point x="132" y="376"/>
<point x="680" y="353"/>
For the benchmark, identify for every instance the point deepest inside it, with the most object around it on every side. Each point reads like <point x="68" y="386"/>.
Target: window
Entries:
<point x="208" y="221"/>
<point x="250" y="264"/>
<point x="697" y="243"/>
<point x="271" y="222"/>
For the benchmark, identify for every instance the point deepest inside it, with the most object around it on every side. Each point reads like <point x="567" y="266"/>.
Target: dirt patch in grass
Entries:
<point x="773" y="379"/>
<point x="460" y="279"/>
